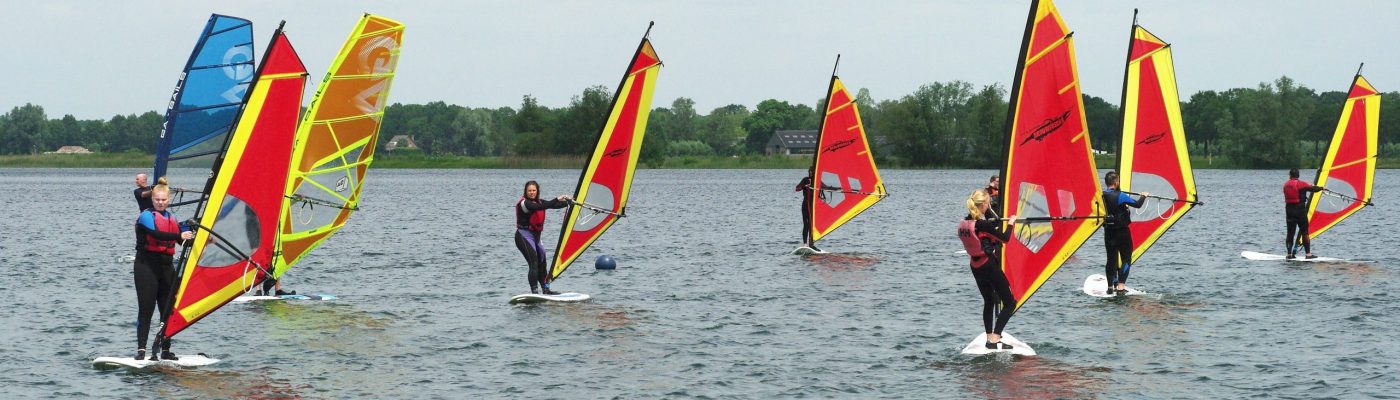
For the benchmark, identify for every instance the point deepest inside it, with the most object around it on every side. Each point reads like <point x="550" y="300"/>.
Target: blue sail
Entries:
<point x="207" y="98"/>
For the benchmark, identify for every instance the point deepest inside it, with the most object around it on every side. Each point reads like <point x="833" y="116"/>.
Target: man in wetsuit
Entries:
<point x="1117" y="239"/>
<point x="1295" y="210"/>
<point x="805" y="186"/>
<point x="142" y="193"/>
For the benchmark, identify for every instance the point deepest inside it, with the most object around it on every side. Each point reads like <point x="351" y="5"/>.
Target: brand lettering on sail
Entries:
<point x="616" y="152"/>
<point x="1154" y="138"/>
<point x="238" y="66"/>
<point x="1052" y="124"/>
<point x="839" y="145"/>
<point x="377" y="57"/>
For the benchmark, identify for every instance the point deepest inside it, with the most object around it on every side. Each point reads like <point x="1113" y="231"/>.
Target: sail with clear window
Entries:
<point x="335" y="141"/>
<point x="846" y="182"/>
<point x="1349" y="170"/>
<point x="234" y="243"/>
<point x="1049" y="174"/>
<point x="1152" y="157"/>
<point x="603" y="187"/>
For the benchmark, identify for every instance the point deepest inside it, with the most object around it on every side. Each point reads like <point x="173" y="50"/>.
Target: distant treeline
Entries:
<point x="944" y="124"/>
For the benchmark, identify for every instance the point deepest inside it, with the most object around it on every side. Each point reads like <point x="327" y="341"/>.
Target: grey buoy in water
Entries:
<point x="605" y="262"/>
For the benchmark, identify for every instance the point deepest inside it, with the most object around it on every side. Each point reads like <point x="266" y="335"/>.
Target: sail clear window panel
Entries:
<point x="1033" y="203"/>
<point x="1157" y="186"/>
<point x="238" y="225"/>
<point x="1333" y="204"/>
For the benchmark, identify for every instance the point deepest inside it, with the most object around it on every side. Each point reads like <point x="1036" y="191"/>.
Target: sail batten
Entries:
<point x="1349" y="169"/>
<point x="846" y="181"/>
<point x="1152" y="155"/>
<point x="1049" y="173"/>
<point x="234" y="245"/>
<point x="606" y="182"/>
<point x="334" y="144"/>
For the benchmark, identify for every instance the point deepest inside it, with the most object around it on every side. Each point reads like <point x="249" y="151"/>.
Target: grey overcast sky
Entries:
<point x="95" y="59"/>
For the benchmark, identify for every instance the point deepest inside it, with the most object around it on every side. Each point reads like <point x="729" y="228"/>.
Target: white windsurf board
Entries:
<point x="1097" y="285"/>
<point x="806" y="251"/>
<point x="245" y="299"/>
<point x="1257" y="256"/>
<point x="530" y="298"/>
<point x="979" y="346"/>
<point x="186" y="361"/>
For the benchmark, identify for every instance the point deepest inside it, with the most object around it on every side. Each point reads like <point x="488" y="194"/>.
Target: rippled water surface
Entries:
<point x="706" y="302"/>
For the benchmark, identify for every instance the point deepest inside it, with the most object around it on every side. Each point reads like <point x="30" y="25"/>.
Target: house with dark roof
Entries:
<point x="400" y="141"/>
<point x="791" y="143"/>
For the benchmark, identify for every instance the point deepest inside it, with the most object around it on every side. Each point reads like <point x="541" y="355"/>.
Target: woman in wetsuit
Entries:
<point x="1295" y="210"/>
<point x="529" y="222"/>
<point x="157" y="234"/>
<point x="983" y="238"/>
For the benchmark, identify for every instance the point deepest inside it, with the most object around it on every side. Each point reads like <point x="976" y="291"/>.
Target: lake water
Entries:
<point x="706" y="302"/>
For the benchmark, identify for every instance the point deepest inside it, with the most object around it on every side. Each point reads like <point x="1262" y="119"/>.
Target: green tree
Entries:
<point x="24" y="128"/>
<point x="532" y="124"/>
<point x="772" y="115"/>
<point x="581" y="122"/>
<point x="723" y="129"/>
<point x="1105" y="123"/>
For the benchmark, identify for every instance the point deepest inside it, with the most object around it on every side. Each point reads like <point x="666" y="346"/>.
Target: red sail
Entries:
<point x="846" y="180"/>
<point x="1350" y="166"/>
<point x="234" y="248"/>
<point x="1152" y="157"/>
<point x="1049" y="172"/>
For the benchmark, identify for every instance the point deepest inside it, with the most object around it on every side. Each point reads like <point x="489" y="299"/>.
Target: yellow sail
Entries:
<point x="336" y="138"/>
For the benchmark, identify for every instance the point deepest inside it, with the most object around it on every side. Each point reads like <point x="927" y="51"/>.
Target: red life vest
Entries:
<point x="164" y="223"/>
<point x="1291" y="191"/>
<point x="972" y="241"/>
<point x="533" y="221"/>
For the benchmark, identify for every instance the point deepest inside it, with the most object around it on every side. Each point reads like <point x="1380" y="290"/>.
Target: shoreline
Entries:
<point x="137" y="160"/>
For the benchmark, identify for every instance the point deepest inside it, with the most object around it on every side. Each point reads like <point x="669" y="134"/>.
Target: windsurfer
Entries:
<point x="142" y="193"/>
<point x="1295" y="209"/>
<point x="993" y="190"/>
<point x="157" y="234"/>
<point x="982" y="237"/>
<point x="805" y="186"/>
<point x="529" y="223"/>
<point x="1117" y="238"/>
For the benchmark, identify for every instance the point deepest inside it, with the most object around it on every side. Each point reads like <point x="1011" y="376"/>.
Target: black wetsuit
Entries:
<point x="1117" y="238"/>
<point x="527" y="238"/>
<point x="1295" y="210"/>
<point x="991" y="281"/>
<point x="154" y="273"/>
<point x="142" y="202"/>
<point x="805" y="186"/>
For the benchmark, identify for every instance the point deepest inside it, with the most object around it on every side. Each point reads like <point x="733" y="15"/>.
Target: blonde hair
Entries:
<point x="975" y="202"/>
<point x="162" y="186"/>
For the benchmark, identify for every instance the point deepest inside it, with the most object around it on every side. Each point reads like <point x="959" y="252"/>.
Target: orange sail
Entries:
<point x="1049" y="173"/>
<point x="335" y="141"/>
<point x="1152" y="157"/>
<point x="235" y="242"/>
<point x="601" y="196"/>
<point x="1350" y="167"/>
<point x="847" y="181"/>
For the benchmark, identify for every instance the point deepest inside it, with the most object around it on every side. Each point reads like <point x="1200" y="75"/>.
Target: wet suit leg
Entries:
<point x="996" y="295"/>
<point x="1297" y="224"/>
<point x="146" y="292"/>
<point x="153" y="275"/>
<point x="1110" y="265"/>
<point x="806" y="221"/>
<point x="165" y="286"/>
<point x="529" y="245"/>
<point x="1120" y="254"/>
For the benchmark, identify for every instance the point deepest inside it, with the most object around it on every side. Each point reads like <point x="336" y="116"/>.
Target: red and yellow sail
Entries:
<point x="1049" y="171"/>
<point x="846" y="181"/>
<point x="336" y="138"/>
<point x="1153" y="157"/>
<point x="1350" y="167"/>
<point x="601" y="196"/>
<point x="237" y="238"/>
